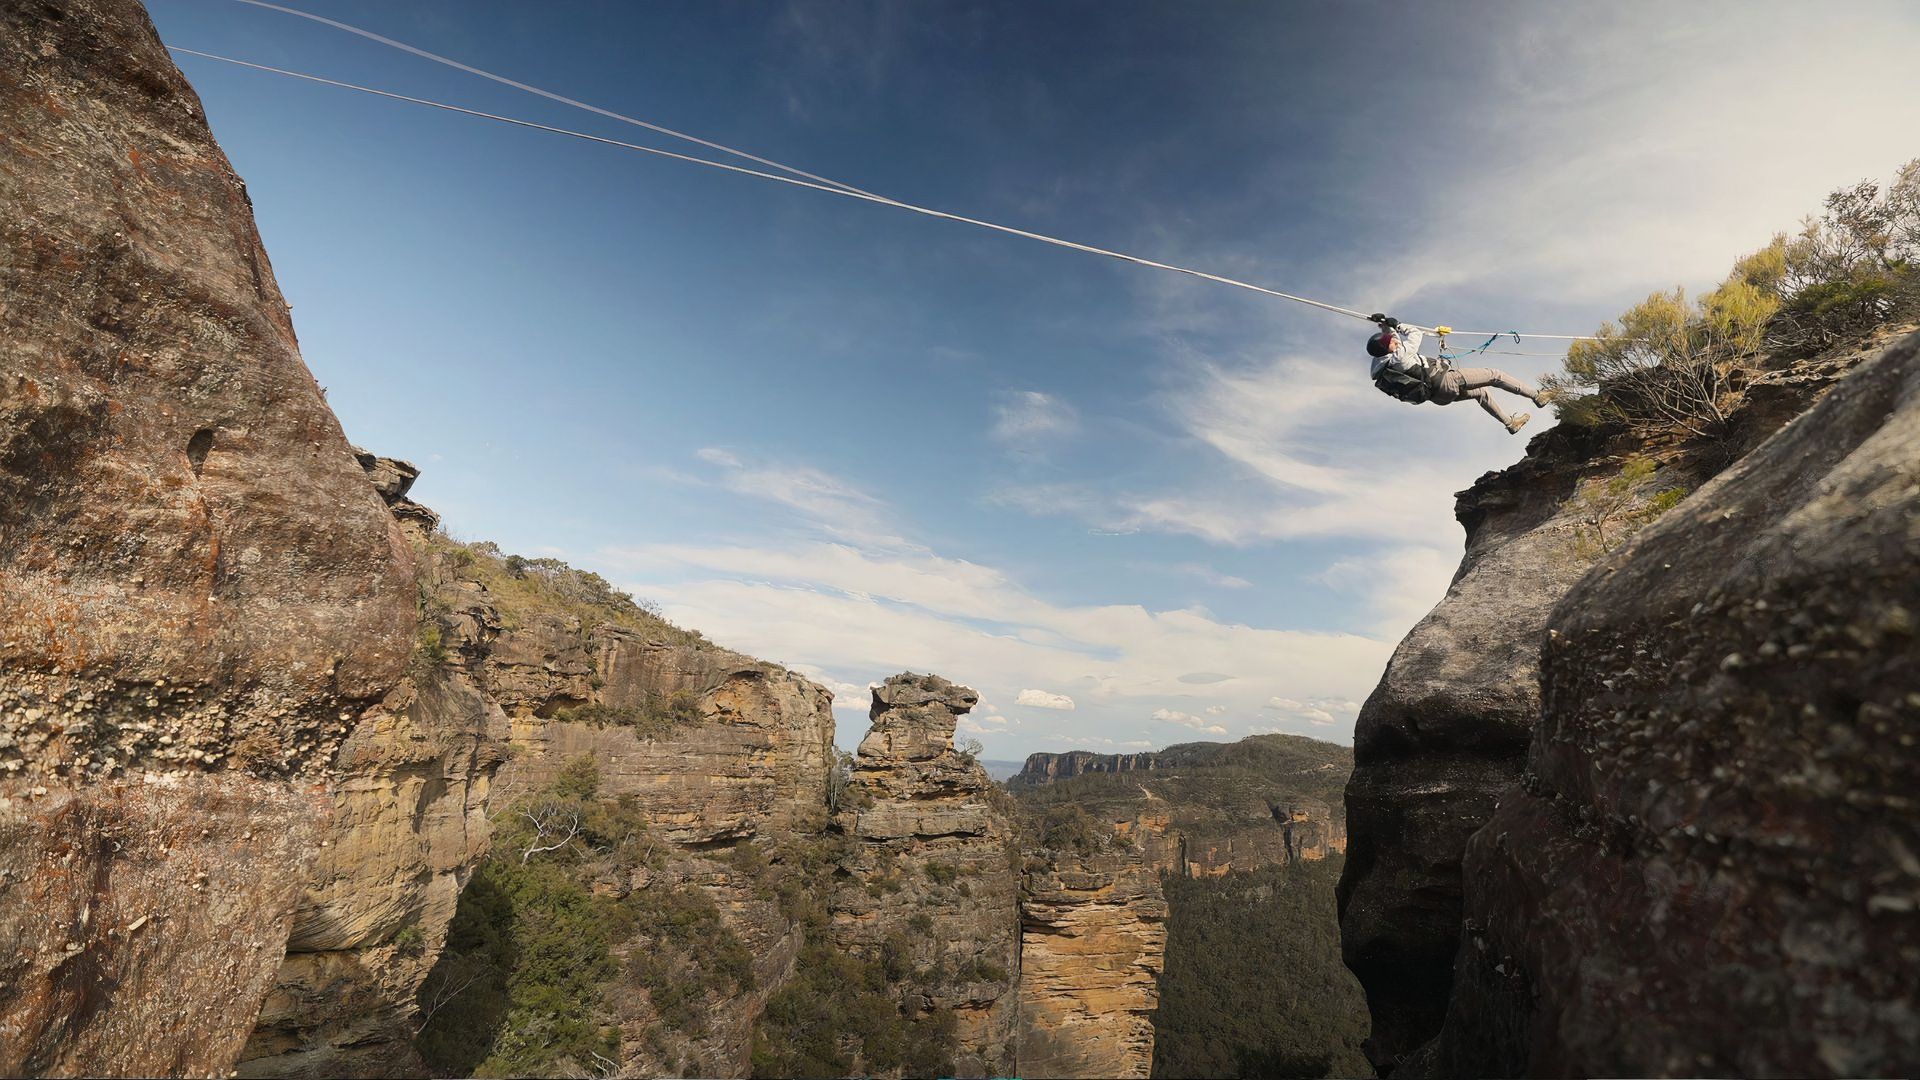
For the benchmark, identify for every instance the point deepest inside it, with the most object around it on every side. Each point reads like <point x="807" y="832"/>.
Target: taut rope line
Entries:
<point x="813" y="183"/>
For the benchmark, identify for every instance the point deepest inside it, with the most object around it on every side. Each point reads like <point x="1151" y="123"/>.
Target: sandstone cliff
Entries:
<point x="1226" y="806"/>
<point x="1709" y="865"/>
<point x="931" y="869"/>
<point x="1102" y="830"/>
<point x="201" y="594"/>
<point x="1093" y="942"/>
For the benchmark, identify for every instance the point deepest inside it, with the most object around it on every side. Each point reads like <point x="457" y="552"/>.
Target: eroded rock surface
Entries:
<point x="1710" y="868"/>
<point x="1093" y="944"/>
<point x="200" y="591"/>
<point x="931" y="868"/>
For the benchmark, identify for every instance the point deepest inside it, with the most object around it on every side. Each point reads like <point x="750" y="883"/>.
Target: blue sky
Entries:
<point x="1129" y="507"/>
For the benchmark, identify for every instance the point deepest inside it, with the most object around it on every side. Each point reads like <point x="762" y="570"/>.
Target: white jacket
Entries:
<point x="1405" y="356"/>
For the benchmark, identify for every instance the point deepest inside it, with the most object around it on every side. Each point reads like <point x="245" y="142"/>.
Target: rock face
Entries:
<point x="409" y="792"/>
<point x="1046" y="768"/>
<point x="200" y="591"/>
<point x="935" y="844"/>
<point x="1103" y="829"/>
<point x="1710" y="867"/>
<point x="1223" y="806"/>
<point x="1093" y="941"/>
<point x="541" y="680"/>
<point x="1445" y="732"/>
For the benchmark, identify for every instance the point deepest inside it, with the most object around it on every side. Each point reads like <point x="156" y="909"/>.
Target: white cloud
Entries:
<point x="1319" y="712"/>
<point x="1216" y="710"/>
<point x="1397" y="585"/>
<point x="981" y="725"/>
<point x="1096" y="740"/>
<point x="1174" y="716"/>
<point x="818" y="497"/>
<point x="1029" y="416"/>
<point x="1041" y="699"/>
<point x="1212" y="577"/>
<point x="854" y="614"/>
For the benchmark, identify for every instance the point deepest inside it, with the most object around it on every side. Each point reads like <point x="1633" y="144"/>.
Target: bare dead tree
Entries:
<point x="547" y="823"/>
<point x="444" y="995"/>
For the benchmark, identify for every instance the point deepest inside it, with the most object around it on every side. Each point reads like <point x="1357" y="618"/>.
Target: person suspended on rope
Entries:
<point x="1400" y="371"/>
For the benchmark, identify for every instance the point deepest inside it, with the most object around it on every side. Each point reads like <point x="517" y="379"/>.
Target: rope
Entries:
<point x="811" y="182"/>
<point x="548" y="94"/>
<point x="1484" y="346"/>
<point x="841" y="191"/>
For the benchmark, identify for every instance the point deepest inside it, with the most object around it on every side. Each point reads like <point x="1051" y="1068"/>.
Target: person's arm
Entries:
<point x="1408" y="338"/>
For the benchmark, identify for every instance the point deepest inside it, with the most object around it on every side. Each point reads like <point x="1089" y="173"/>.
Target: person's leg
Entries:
<point x="1486" y="401"/>
<point x="1475" y="377"/>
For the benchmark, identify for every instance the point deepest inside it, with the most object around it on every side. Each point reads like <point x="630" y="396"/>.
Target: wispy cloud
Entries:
<point x="1028" y="417"/>
<point x="1320" y="712"/>
<point x="850" y="611"/>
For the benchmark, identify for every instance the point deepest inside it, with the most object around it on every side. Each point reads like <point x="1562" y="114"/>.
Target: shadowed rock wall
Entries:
<point x="1709" y="868"/>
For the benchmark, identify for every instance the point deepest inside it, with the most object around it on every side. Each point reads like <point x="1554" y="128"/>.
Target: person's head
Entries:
<point x="1380" y="344"/>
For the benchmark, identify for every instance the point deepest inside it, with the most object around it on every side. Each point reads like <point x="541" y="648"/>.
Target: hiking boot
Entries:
<point x="1541" y="399"/>
<point x="1514" y="425"/>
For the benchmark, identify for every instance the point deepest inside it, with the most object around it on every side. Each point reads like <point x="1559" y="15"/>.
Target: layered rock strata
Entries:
<point x="1227" y="806"/>
<point x="200" y="591"/>
<point x="712" y="746"/>
<point x="1092" y="946"/>
<point x="932" y="868"/>
<point x="1709" y="868"/>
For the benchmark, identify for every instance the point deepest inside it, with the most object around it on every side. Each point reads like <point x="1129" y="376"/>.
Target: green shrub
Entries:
<point x="430" y="650"/>
<point x="409" y="939"/>
<point x="941" y="873"/>
<point x="657" y="719"/>
<point x="520" y="986"/>
<point x="835" y="1018"/>
<point x="1610" y="509"/>
<point x="1674" y="365"/>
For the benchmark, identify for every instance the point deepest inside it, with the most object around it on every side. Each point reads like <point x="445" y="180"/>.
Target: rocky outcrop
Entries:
<point x="1444" y="733"/>
<point x="1447" y="729"/>
<point x="1047" y="768"/>
<point x="1710" y="866"/>
<point x="712" y="746"/>
<point x="749" y="757"/>
<point x="1226" y="806"/>
<point x="200" y="591"/>
<point x="931" y="873"/>
<point x="1092" y="945"/>
<point x="409" y="791"/>
<point x="1102" y="831"/>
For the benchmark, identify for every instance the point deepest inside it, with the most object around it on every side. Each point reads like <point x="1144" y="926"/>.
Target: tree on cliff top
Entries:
<point x="1679" y="365"/>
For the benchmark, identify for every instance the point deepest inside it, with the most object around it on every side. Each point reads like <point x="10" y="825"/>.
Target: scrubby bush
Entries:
<point x="1674" y="364"/>
<point x="1610" y="509"/>
<point x="658" y="718"/>
<point x="519" y="989"/>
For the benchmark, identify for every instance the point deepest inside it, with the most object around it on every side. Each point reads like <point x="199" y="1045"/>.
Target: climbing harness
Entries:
<point x="798" y="177"/>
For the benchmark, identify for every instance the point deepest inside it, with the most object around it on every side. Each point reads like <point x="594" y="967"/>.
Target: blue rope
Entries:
<point x="1484" y="346"/>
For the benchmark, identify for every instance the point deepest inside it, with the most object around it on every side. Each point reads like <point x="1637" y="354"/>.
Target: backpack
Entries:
<point x="1403" y="385"/>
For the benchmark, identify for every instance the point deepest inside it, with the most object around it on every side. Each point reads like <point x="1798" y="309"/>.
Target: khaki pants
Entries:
<point x="1459" y="384"/>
